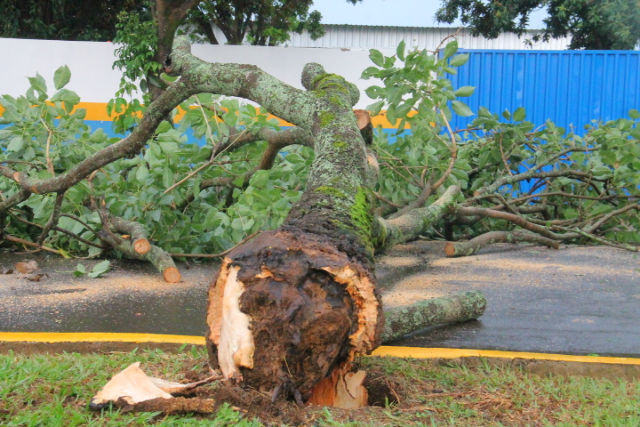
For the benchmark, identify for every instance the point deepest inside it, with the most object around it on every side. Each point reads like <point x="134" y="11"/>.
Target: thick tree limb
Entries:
<point x="9" y="173"/>
<point x="137" y="232"/>
<point x="459" y="249"/>
<point x="156" y="256"/>
<point x="460" y="307"/>
<point x="276" y="141"/>
<point x="17" y="198"/>
<point x="410" y="225"/>
<point x="245" y="81"/>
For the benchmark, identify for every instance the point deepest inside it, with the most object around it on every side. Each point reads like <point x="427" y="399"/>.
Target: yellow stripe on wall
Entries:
<point x="97" y="111"/>
<point x="384" y="351"/>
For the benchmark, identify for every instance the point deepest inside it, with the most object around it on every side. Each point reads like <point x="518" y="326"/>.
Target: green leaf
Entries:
<point x="370" y="72"/>
<point x="142" y="173"/>
<point x="459" y="60"/>
<point x="248" y="225"/>
<point x="61" y="77"/>
<point x="260" y="178"/>
<point x="376" y="57"/>
<point x="506" y="114"/>
<point x="80" y="271"/>
<point x="400" y="50"/>
<point x="634" y="114"/>
<point x="38" y="83"/>
<point x="100" y="268"/>
<point x="16" y="144"/>
<point x="168" y="147"/>
<point x="450" y="48"/>
<point x="374" y="109"/>
<point x="464" y="91"/>
<point x="520" y="114"/>
<point x="167" y="177"/>
<point x="66" y="95"/>
<point x="461" y="109"/>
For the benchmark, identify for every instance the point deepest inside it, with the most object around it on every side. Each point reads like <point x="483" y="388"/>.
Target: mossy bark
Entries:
<point x="293" y="305"/>
<point x="459" y="307"/>
<point x="409" y="226"/>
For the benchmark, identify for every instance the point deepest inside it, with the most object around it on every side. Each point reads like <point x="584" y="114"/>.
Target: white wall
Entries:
<point x="93" y="78"/>
<point x="90" y="64"/>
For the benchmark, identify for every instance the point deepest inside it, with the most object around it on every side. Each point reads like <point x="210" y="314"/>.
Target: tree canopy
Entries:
<point x="63" y="19"/>
<point x="600" y="25"/>
<point x="259" y="22"/>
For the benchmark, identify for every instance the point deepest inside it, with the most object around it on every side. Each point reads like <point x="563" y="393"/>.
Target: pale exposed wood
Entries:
<point x="142" y="246"/>
<point x="341" y="389"/>
<point x="363" y="118"/>
<point x="132" y="385"/>
<point x="362" y="292"/>
<point x="171" y="275"/>
<point x="236" y="346"/>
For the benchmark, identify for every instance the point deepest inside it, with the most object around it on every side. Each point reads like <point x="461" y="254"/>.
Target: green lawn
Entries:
<point x="54" y="390"/>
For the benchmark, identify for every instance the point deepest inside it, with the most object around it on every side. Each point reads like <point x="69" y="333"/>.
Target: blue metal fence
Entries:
<point x="567" y="87"/>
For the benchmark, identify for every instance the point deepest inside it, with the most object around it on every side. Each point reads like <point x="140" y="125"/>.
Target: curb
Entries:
<point x="384" y="351"/>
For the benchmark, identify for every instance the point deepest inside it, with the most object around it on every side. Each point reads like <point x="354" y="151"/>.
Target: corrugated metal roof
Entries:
<point x="379" y="37"/>
<point x="382" y="37"/>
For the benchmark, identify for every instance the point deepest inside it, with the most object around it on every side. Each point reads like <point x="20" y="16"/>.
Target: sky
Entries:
<point x="399" y="13"/>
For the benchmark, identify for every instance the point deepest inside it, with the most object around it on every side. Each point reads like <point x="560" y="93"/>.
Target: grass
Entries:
<point x="54" y="390"/>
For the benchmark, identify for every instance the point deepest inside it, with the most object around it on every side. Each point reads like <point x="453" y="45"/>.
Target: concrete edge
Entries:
<point x="169" y="341"/>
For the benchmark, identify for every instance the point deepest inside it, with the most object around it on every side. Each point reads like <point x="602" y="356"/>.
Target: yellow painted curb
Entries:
<point x="53" y="337"/>
<point x="452" y="353"/>
<point x="406" y="352"/>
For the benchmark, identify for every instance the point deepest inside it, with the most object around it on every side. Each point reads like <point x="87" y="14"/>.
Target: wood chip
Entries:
<point x="26" y="267"/>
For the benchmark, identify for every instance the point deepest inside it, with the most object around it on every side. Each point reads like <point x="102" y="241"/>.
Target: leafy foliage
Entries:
<point x="206" y="197"/>
<point x="498" y="149"/>
<point x="62" y="20"/>
<point x="196" y="216"/>
<point x="258" y="22"/>
<point x="603" y="24"/>
<point x="137" y="40"/>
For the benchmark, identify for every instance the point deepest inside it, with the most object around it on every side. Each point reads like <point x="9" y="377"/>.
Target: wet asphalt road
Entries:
<point x="578" y="300"/>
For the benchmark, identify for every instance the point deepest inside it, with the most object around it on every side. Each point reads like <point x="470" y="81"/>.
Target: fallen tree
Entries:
<point x="291" y="308"/>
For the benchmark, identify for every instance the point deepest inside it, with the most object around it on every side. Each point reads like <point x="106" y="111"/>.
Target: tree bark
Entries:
<point x="459" y="249"/>
<point x="292" y="305"/>
<point x="460" y="307"/>
<point x="290" y="309"/>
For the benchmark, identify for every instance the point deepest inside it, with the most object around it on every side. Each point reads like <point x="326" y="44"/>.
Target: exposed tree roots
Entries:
<point x="307" y="309"/>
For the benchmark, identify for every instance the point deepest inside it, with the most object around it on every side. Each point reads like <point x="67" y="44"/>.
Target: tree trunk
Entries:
<point x="290" y="306"/>
<point x="289" y="310"/>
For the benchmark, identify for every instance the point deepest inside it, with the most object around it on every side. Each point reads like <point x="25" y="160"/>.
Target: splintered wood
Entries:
<point x="132" y="390"/>
<point x="285" y="310"/>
